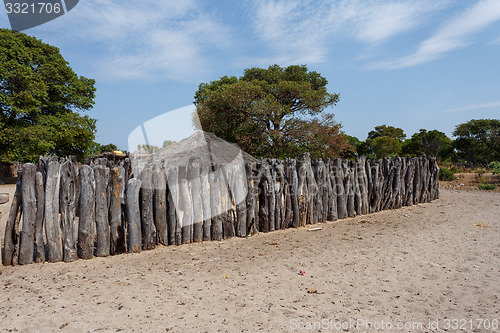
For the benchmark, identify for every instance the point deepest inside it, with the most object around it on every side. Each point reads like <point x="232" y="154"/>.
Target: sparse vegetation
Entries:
<point x="488" y="187"/>
<point x="446" y="174"/>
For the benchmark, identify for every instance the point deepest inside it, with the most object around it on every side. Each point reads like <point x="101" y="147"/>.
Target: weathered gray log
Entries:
<point x="319" y="171"/>
<point x="193" y="176"/>
<point x="240" y="191"/>
<point x="116" y="228"/>
<point x="252" y="198"/>
<point x="133" y="212"/>
<point x="362" y="184"/>
<point x="68" y="203"/>
<point x="417" y="183"/>
<point x="101" y="175"/>
<point x="264" y="197"/>
<point x="349" y="185"/>
<point x="339" y="190"/>
<point x="294" y="190"/>
<point x="332" y="197"/>
<point x="302" y="193"/>
<point x="270" y="175"/>
<point x="27" y="243"/>
<point x="52" y="226"/>
<point x="40" y="210"/>
<point x="174" y="227"/>
<point x="160" y="205"/>
<point x="216" y="205"/>
<point x="86" y="226"/>
<point x="312" y="190"/>
<point x="185" y="206"/>
<point x="205" y="198"/>
<point x="229" y="214"/>
<point x="281" y="195"/>
<point x="147" y="218"/>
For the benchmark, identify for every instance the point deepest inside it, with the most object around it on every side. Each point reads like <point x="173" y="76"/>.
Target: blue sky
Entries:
<point x="412" y="64"/>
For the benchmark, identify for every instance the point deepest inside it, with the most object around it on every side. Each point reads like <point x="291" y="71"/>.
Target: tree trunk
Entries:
<point x="160" y="205"/>
<point x="194" y="181"/>
<point x="101" y="175"/>
<point x="26" y="247"/>
<point x="147" y="219"/>
<point x="116" y="227"/>
<point x="52" y="227"/>
<point x="216" y="205"/>
<point x="133" y="212"/>
<point x="68" y="210"/>
<point x="87" y="213"/>
<point x="40" y="211"/>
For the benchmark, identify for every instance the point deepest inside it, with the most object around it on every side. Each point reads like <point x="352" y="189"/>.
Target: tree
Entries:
<point x="262" y="110"/>
<point x="478" y="141"/>
<point x="382" y="142"/>
<point x="39" y="99"/>
<point x="98" y="149"/>
<point x="429" y="143"/>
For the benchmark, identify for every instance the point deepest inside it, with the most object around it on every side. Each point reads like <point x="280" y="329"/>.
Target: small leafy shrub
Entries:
<point x="446" y="174"/>
<point x="487" y="186"/>
<point x="495" y="166"/>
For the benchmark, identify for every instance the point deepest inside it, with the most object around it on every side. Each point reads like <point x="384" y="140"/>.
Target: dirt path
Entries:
<point x="434" y="261"/>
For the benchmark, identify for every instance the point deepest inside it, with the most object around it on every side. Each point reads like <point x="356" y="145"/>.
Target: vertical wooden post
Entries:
<point x="147" y="219"/>
<point x="339" y="190"/>
<point x="133" y="212"/>
<point x="174" y="227"/>
<point x="115" y="211"/>
<point x="332" y="198"/>
<point x="264" y="197"/>
<point x="319" y="170"/>
<point x="349" y="185"/>
<point x="160" y="205"/>
<point x="40" y="210"/>
<point x="252" y="198"/>
<point x="86" y="226"/>
<point x="68" y="210"/>
<point x="205" y="197"/>
<point x="26" y="247"/>
<point x="281" y="195"/>
<point x="101" y="175"/>
<point x="194" y="182"/>
<point x="294" y="190"/>
<point x="185" y="207"/>
<point x="216" y="204"/>
<point x="52" y="228"/>
<point x="302" y="192"/>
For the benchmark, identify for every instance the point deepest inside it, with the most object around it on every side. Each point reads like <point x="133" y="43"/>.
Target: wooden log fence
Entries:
<point x="60" y="212"/>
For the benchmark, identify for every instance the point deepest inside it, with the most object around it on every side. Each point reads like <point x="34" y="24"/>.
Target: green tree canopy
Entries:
<point x="383" y="141"/>
<point x="39" y="97"/>
<point x="264" y="109"/>
<point x="478" y="141"/>
<point x="429" y="143"/>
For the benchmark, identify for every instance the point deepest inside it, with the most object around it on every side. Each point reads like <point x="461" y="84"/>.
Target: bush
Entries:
<point x="487" y="186"/>
<point x="495" y="166"/>
<point x="446" y="174"/>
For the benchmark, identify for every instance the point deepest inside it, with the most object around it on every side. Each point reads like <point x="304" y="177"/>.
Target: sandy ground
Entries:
<point x="420" y="266"/>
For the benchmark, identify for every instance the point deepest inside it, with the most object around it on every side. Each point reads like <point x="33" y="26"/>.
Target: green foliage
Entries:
<point x="387" y="131"/>
<point x="149" y="149"/>
<point x="273" y="112"/>
<point x="488" y="187"/>
<point x="430" y="143"/>
<point x="385" y="146"/>
<point x="495" y="167"/>
<point x="478" y="141"/>
<point x="39" y="94"/>
<point x="98" y="149"/>
<point x="167" y="143"/>
<point x="446" y="174"/>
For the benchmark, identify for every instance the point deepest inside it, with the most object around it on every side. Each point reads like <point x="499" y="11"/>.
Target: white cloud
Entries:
<point x="454" y="34"/>
<point x="142" y="40"/>
<point x="476" y="107"/>
<point x="304" y="31"/>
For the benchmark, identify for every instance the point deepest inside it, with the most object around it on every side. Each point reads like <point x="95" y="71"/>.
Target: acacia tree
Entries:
<point x="383" y="141"/>
<point x="39" y="99"/>
<point x="264" y="109"/>
<point x="478" y="141"/>
<point x="430" y="143"/>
